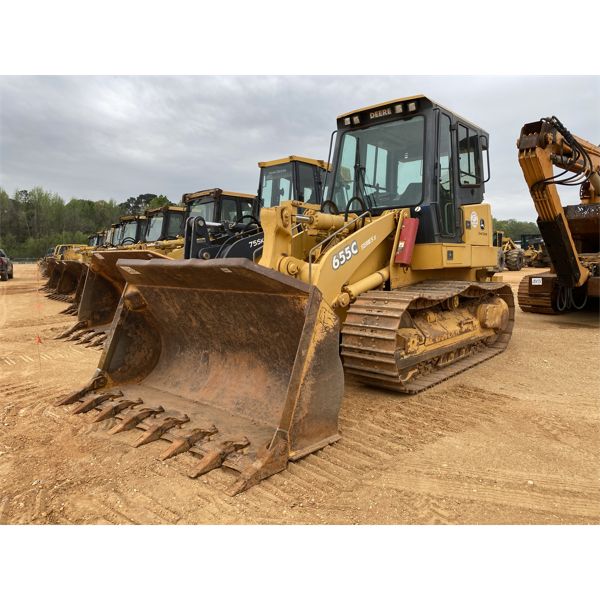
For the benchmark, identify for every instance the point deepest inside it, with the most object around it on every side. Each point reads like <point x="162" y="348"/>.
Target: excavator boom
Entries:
<point x="570" y="233"/>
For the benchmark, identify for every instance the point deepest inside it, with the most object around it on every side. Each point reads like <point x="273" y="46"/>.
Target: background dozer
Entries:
<point x="571" y="234"/>
<point x="389" y="280"/>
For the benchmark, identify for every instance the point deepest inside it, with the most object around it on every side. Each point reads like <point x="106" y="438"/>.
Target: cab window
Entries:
<point x="175" y="224"/>
<point x="229" y="211"/>
<point x="306" y="184"/>
<point x="246" y="207"/>
<point x="468" y="156"/>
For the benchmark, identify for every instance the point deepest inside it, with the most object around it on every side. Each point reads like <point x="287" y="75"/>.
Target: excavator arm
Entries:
<point x="543" y="145"/>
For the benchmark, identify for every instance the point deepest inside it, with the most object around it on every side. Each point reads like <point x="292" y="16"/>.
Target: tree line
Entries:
<point x="35" y="220"/>
<point x="31" y="221"/>
<point x="514" y="229"/>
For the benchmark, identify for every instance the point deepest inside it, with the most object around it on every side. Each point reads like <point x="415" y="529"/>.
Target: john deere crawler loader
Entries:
<point x="389" y="280"/>
<point x="217" y="224"/>
<point x="158" y="233"/>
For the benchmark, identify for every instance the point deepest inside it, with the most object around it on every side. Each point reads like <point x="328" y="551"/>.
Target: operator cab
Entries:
<point x="409" y="153"/>
<point x="112" y="235"/>
<point x="164" y="223"/>
<point x="216" y="206"/>
<point x="291" y="178"/>
<point x="215" y="216"/>
<point x="132" y="230"/>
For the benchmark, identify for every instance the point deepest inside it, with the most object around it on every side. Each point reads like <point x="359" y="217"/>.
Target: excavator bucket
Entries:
<point x="230" y="361"/>
<point x="101" y="293"/>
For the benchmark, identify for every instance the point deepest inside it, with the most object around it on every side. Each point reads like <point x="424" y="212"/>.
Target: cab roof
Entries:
<point x="294" y="158"/>
<point x="169" y="208"/>
<point x="407" y="99"/>
<point x="215" y="193"/>
<point x="129" y="218"/>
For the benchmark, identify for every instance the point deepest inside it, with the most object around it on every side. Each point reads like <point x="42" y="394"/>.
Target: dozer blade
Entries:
<point x="246" y="357"/>
<point x="104" y="285"/>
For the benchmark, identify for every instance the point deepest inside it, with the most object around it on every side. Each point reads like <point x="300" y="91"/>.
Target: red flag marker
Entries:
<point x="38" y="339"/>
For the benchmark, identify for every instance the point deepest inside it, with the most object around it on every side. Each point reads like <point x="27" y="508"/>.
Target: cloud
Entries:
<point x="114" y="137"/>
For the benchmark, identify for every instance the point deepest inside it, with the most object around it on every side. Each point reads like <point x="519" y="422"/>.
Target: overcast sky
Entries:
<point x="115" y="137"/>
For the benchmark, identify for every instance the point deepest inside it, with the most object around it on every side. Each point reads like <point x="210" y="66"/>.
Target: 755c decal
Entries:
<point x="343" y="256"/>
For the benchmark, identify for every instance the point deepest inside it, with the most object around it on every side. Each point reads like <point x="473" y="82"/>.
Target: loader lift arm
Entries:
<point x="543" y="145"/>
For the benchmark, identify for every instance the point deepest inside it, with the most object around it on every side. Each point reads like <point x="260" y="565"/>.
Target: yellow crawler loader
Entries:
<point x="65" y="271"/>
<point x="217" y="224"/>
<point x="389" y="279"/>
<point x="156" y="234"/>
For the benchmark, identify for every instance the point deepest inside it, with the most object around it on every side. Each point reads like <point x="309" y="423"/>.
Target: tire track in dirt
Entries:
<point x="551" y="500"/>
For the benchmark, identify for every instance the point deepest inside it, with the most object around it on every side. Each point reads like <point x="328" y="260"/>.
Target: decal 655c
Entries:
<point x="344" y="255"/>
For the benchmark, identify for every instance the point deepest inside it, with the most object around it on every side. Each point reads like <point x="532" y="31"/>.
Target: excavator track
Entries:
<point x="543" y="299"/>
<point x="369" y="336"/>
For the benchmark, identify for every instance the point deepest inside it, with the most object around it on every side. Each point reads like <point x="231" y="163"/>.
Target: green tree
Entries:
<point x="514" y="229"/>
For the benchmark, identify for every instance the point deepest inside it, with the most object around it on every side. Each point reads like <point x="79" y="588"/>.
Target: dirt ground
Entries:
<point x="514" y="440"/>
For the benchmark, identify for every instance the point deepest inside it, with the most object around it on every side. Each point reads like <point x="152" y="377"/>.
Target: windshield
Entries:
<point x="382" y="164"/>
<point x="128" y="233"/>
<point x="205" y="210"/>
<point x="174" y="224"/>
<point x="276" y="185"/>
<point x="155" y="224"/>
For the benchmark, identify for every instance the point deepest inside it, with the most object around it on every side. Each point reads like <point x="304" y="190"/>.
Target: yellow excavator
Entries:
<point x="572" y="233"/>
<point x="390" y="279"/>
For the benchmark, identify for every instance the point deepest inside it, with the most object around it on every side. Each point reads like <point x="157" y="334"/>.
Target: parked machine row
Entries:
<point x="230" y="323"/>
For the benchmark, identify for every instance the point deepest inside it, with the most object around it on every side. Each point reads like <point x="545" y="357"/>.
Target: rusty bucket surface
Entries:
<point x="104" y="285"/>
<point x="227" y="347"/>
<point x="53" y="274"/>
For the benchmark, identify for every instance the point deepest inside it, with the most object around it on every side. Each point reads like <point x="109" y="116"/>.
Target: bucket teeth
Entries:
<point x="156" y="431"/>
<point x="132" y="421"/>
<point x="94" y="401"/>
<point x="182" y="443"/>
<point x="67" y="332"/>
<point x="114" y="408"/>
<point x="87" y="337"/>
<point x="213" y="459"/>
<point x="69" y="310"/>
<point x="98" y="341"/>
<point x="97" y="381"/>
<point x="76" y="335"/>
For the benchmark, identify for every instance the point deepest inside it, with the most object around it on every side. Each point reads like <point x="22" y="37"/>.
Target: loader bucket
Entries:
<point x="104" y="285"/>
<point x="233" y="362"/>
<point x="54" y="273"/>
<point x="67" y="275"/>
